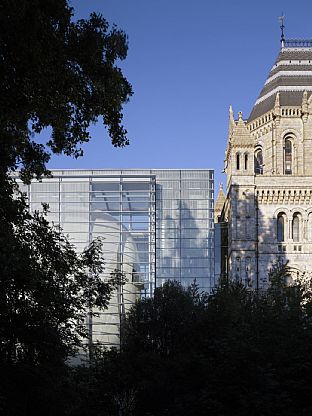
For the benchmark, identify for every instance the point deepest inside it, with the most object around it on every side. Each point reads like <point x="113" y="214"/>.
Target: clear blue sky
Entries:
<point x="187" y="62"/>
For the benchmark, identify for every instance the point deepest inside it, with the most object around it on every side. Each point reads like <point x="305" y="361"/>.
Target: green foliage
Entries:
<point x="235" y="352"/>
<point x="46" y="289"/>
<point x="58" y="73"/>
<point x="163" y="323"/>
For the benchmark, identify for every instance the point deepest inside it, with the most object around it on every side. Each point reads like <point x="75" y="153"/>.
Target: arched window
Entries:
<point x="288" y="157"/>
<point x="280" y="227"/>
<point x="246" y="161"/>
<point x="296" y="227"/>
<point x="258" y="162"/>
<point x="237" y="161"/>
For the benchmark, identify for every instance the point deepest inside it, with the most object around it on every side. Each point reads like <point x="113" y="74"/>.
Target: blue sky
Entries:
<point x="187" y="62"/>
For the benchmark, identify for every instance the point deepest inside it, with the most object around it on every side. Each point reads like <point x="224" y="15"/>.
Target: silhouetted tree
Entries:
<point x="58" y="73"/>
<point x="62" y="74"/>
<point x="235" y="352"/>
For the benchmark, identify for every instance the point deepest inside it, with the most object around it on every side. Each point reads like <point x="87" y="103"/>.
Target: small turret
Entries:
<point x="231" y="122"/>
<point x="304" y="106"/>
<point x="277" y="108"/>
<point x="219" y="204"/>
<point x="242" y="149"/>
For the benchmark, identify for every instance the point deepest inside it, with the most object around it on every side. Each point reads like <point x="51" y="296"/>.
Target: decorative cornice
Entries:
<point x="284" y="196"/>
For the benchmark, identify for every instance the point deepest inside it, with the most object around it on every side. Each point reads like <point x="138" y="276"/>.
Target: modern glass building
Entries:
<point x="155" y="225"/>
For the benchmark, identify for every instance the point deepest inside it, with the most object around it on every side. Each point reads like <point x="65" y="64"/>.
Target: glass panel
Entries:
<point x="173" y="273"/>
<point x="74" y="206"/>
<point x="105" y="186"/>
<point x="168" y="243"/>
<point x="196" y="262"/>
<point x="75" y="197"/>
<point x="44" y="187"/>
<point x="168" y="233"/>
<point x="105" y="216"/>
<point x="163" y="253"/>
<point x="194" y="243"/>
<point x="74" y="217"/>
<point x="45" y="197"/>
<point x="195" y="223"/>
<point x="135" y="206"/>
<point x="105" y="196"/>
<point x="167" y="194"/>
<point x="195" y="272"/>
<point x="201" y="213"/>
<point x="105" y="206"/>
<point x="74" y="187"/>
<point x="195" y="194"/>
<point x="195" y="252"/>
<point x="137" y="186"/>
<point x="189" y="185"/>
<point x="79" y="236"/>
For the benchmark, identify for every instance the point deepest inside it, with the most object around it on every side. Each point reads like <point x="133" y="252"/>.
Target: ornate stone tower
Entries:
<point x="268" y="164"/>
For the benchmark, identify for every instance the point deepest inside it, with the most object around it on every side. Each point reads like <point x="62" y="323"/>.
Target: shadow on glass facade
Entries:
<point x="155" y="225"/>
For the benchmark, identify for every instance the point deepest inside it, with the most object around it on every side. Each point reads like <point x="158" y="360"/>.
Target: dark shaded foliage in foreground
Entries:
<point x="236" y="352"/>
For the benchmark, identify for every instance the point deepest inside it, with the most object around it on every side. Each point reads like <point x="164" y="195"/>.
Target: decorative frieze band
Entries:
<point x="284" y="196"/>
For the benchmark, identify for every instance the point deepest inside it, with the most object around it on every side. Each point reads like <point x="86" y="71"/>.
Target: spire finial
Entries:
<point x="282" y="26"/>
<point x="221" y="186"/>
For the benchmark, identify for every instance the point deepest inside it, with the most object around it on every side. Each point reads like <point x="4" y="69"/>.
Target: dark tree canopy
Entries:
<point x="236" y="352"/>
<point x="61" y="74"/>
<point x="58" y="73"/>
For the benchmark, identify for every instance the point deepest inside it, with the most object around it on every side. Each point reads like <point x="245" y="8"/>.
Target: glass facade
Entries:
<point x="155" y="225"/>
<point x="184" y="227"/>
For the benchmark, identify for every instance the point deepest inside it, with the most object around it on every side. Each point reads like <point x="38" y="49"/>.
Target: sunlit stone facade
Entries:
<point x="268" y="164"/>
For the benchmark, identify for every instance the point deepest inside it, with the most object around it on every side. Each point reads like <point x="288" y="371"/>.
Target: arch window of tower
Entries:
<point x="258" y="161"/>
<point x="246" y="161"/>
<point x="281" y="227"/>
<point x="237" y="161"/>
<point x="288" y="156"/>
<point x="296" y="227"/>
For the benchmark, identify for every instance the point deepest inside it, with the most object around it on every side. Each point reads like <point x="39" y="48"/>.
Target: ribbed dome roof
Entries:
<point x="291" y="75"/>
